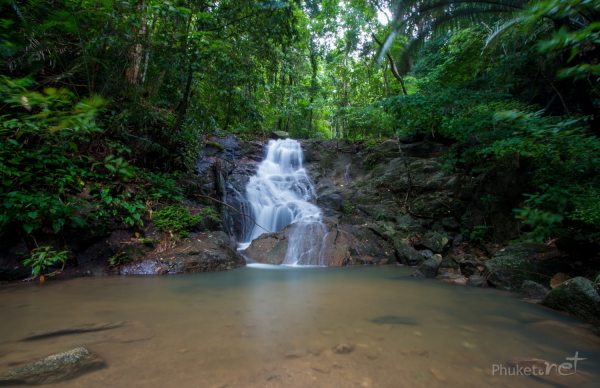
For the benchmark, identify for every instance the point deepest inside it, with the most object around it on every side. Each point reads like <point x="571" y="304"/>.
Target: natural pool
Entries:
<point x="277" y="326"/>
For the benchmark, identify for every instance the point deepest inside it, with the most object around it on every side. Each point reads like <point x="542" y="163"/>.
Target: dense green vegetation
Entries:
<point x="106" y="104"/>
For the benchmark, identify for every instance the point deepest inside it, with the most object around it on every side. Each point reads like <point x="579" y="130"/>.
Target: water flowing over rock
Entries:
<point x="278" y="196"/>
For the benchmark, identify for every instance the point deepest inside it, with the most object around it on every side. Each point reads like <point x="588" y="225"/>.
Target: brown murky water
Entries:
<point x="257" y="327"/>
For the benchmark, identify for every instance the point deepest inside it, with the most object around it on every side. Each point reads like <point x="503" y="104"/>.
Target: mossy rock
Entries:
<point x="407" y="254"/>
<point x="577" y="296"/>
<point x="435" y="241"/>
<point x="280" y="135"/>
<point x="534" y="258"/>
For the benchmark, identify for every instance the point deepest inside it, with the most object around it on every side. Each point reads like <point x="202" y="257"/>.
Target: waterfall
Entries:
<point x="278" y="196"/>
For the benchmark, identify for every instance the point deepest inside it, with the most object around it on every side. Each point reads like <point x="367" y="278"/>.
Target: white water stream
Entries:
<point x="278" y="196"/>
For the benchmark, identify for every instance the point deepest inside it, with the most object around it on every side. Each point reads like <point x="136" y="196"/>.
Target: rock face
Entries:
<point x="341" y="246"/>
<point x="533" y="290"/>
<point x="203" y="252"/>
<point x="53" y="369"/>
<point x="577" y="296"/>
<point x="530" y="257"/>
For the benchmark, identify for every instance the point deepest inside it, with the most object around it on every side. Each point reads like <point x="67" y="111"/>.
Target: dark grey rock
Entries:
<point x="429" y="268"/>
<point x="458" y="240"/>
<point x="535" y="258"/>
<point x="427" y="253"/>
<point x="476" y="281"/>
<point x="450" y="223"/>
<point x="203" y="252"/>
<point x="470" y="267"/>
<point x="330" y="202"/>
<point x="407" y="254"/>
<point x="73" y="330"/>
<point x="53" y="369"/>
<point x="404" y="221"/>
<point x="280" y="135"/>
<point x="533" y="290"/>
<point x="577" y="296"/>
<point x="435" y="241"/>
<point x="424" y="149"/>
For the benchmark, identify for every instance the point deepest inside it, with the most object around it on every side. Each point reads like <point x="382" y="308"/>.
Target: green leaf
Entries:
<point x="28" y="227"/>
<point x="32" y="214"/>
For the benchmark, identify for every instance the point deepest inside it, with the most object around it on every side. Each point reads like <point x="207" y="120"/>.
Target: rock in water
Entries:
<point x="86" y="327"/>
<point x="343" y="348"/>
<point x="429" y="268"/>
<point x="533" y="290"/>
<point x="531" y="257"/>
<point x="55" y="368"/>
<point x="577" y="296"/>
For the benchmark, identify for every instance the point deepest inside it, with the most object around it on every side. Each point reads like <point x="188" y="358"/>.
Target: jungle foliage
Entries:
<point x="106" y="104"/>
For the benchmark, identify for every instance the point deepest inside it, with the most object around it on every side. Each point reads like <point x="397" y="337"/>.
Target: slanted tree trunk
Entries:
<point x="393" y="67"/>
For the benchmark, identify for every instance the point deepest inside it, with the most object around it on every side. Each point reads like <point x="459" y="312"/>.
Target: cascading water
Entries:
<point x="278" y="196"/>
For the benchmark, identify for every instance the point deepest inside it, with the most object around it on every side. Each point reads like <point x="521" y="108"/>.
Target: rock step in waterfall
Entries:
<point x="278" y="196"/>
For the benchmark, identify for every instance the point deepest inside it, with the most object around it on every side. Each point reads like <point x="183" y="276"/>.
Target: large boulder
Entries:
<point x="406" y="254"/>
<point x="429" y="268"/>
<point x="202" y="252"/>
<point x="533" y="290"/>
<point x="54" y="368"/>
<point x="510" y="266"/>
<point x="577" y="296"/>
<point x="332" y="245"/>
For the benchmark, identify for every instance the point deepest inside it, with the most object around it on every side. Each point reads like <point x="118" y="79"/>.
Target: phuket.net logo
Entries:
<point x="537" y="367"/>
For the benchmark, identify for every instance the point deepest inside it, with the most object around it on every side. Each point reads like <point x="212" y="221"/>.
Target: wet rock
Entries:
<point x="476" y="281"/>
<point x="201" y="253"/>
<point x="76" y="329"/>
<point x="471" y="267"/>
<point x="320" y="368"/>
<point x="429" y="268"/>
<point x="394" y="320"/>
<point x="577" y="296"/>
<point x="330" y="204"/>
<point x="407" y="254"/>
<point x="53" y="369"/>
<point x="435" y="241"/>
<point x="416" y="352"/>
<point x="343" y="348"/>
<point x="533" y="290"/>
<point x="280" y="135"/>
<point x="531" y="257"/>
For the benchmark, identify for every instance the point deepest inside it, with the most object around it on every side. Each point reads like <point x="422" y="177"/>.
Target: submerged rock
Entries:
<point x="577" y="296"/>
<point x="87" y="327"/>
<point x="533" y="290"/>
<point x="476" y="281"/>
<point x="53" y="369"/>
<point x="394" y="320"/>
<point x="205" y="252"/>
<point x="343" y="348"/>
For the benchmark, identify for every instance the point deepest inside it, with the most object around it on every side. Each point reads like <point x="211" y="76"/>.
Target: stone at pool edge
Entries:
<point x="533" y="290"/>
<point x="532" y="257"/>
<point x="429" y="268"/>
<point x="54" y="368"/>
<point x="578" y="297"/>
